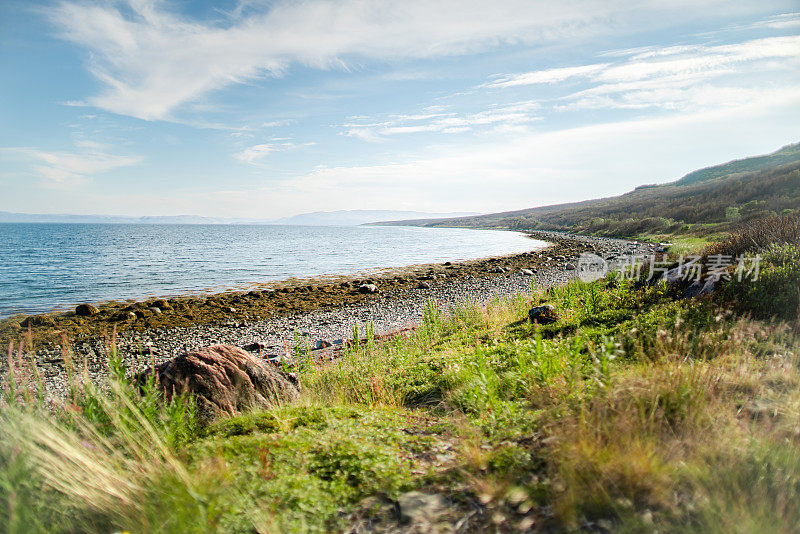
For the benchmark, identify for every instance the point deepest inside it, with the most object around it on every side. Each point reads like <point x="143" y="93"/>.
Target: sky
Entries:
<point x="267" y="109"/>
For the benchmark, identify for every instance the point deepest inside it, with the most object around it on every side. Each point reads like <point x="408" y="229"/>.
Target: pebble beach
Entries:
<point x="397" y="304"/>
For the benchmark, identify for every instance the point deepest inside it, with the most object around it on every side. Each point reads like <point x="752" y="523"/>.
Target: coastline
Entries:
<point x="305" y="312"/>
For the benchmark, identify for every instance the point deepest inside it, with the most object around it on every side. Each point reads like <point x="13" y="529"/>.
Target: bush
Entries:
<point x="776" y="293"/>
<point x="758" y="235"/>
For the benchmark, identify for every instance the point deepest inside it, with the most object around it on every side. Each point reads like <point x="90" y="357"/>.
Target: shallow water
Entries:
<point x="55" y="266"/>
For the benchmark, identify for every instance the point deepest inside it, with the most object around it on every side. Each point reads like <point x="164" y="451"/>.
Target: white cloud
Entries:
<point x="151" y="60"/>
<point x="547" y="76"/>
<point x="676" y="77"/>
<point x="542" y="168"/>
<point x="255" y="154"/>
<point x="508" y="117"/>
<point x="65" y="169"/>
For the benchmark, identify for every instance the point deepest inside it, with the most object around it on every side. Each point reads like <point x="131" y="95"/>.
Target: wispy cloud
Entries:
<point x="499" y="117"/>
<point x="547" y="76"/>
<point x="255" y="154"/>
<point x="65" y="169"/>
<point x="674" y="77"/>
<point x="151" y="60"/>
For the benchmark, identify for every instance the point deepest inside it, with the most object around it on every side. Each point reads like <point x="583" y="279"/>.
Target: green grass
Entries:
<point x="636" y="410"/>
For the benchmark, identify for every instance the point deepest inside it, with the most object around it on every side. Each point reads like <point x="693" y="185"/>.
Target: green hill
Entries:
<point x="705" y="201"/>
<point x="787" y="154"/>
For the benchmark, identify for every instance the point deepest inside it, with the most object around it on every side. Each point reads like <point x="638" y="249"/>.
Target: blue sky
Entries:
<point x="267" y="109"/>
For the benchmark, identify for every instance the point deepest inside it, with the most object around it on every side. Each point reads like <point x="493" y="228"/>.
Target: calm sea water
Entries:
<point x="55" y="266"/>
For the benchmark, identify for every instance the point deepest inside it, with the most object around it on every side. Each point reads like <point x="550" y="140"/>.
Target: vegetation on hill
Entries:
<point x="636" y="410"/>
<point x="784" y="156"/>
<point x="707" y="202"/>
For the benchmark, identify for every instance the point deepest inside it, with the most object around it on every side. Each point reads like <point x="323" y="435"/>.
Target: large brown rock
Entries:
<point x="225" y="380"/>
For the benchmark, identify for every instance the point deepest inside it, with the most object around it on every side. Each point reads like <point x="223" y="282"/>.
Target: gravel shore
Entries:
<point x="389" y="311"/>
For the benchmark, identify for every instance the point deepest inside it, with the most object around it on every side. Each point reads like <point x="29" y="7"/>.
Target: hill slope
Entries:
<point x="712" y="198"/>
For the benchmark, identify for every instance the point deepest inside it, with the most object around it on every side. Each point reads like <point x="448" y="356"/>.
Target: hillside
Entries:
<point x="707" y="200"/>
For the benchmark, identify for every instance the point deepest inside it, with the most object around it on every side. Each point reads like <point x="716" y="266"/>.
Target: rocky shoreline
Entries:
<point x="272" y="321"/>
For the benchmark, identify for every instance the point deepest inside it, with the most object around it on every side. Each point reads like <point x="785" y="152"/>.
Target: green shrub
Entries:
<point x="776" y="292"/>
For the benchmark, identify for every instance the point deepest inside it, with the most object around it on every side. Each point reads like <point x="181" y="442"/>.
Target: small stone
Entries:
<point x="125" y="316"/>
<point x="155" y="310"/>
<point x="85" y="310"/>
<point x="570" y="266"/>
<point x="161" y="304"/>
<point x="526" y="272"/>
<point x="322" y="344"/>
<point x="423" y="285"/>
<point x="368" y="288"/>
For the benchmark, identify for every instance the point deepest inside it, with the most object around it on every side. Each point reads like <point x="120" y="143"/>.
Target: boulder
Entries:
<point x="699" y="288"/>
<point x="161" y="304"/>
<point x="124" y="316"/>
<point x="155" y="310"/>
<point x="85" y="310"/>
<point x="423" y="285"/>
<point x="224" y="380"/>
<point x="544" y="314"/>
<point x="368" y="288"/>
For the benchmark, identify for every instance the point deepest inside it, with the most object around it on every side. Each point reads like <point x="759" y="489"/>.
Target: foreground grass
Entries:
<point x="636" y="411"/>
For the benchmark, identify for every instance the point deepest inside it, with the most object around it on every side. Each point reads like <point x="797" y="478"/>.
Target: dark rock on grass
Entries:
<point x="38" y="320"/>
<point x="699" y="288"/>
<point x="85" y="310"/>
<point x="423" y="285"/>
<point x="570" y="266"/>
<point x="545" y="314"/>
<point x="224" y="380"/>
<point x="368" y="288"/>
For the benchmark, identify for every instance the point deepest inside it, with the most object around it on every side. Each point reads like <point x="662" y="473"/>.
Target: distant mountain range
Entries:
<point x="357" y="217"/>
<point x="725" y="194"/>
<point x="320" y="218"/>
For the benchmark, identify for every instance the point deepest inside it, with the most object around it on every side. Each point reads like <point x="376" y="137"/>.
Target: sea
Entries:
<point x="49" y="267"/>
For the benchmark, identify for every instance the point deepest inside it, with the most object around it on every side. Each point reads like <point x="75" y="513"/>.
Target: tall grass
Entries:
<point x="635" y="411"/>
<point x="758" y="235"/>
<point x="100" y="457"/>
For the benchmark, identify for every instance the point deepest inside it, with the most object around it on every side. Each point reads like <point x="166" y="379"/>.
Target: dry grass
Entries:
<point x="758" y="235"/>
